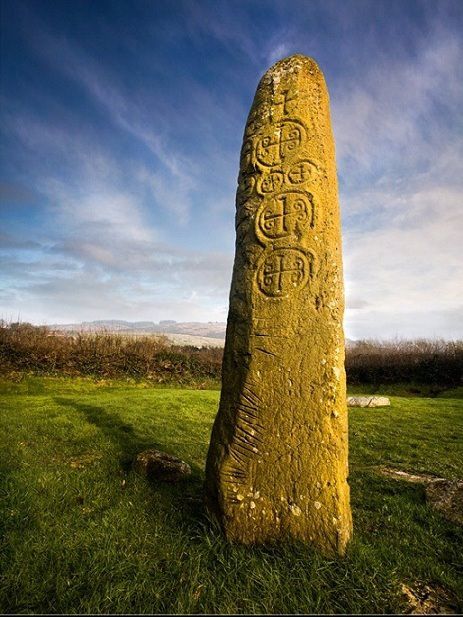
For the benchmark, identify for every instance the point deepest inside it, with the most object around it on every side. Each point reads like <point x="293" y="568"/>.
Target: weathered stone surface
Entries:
<point x="368" y="401"/>
<point x="157" y="465"/>
<point x="277" y="462"/>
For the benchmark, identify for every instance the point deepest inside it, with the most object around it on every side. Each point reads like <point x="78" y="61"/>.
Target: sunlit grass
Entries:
<point x="83" y="533"/>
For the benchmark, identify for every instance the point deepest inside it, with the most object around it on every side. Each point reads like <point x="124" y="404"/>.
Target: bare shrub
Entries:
<point x="37" y="349"/>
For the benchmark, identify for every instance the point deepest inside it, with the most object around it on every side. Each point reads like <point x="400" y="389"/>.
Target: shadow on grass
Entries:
<point x="16" y="508"/>
<point x="186" y="496"/>
<point x="119" y="433"/>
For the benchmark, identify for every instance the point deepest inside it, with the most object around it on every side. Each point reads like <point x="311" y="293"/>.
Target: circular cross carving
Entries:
<point x="270" y="183"/>
<point x="279" y="141"/>
<point x="283" y="271"/>
<point x="303" y="171"/>
<point x="283" y="215"/>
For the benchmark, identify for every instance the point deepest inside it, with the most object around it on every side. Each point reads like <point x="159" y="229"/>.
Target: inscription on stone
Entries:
<point x="284" y="104"/>
<point x="283" y="271"/>
<point x="279" y="142"/>
<point x="277" y="461"/>
<point x="270" y="183"/>
<point x="303" y="171"/>
<point x="283" y="215"/>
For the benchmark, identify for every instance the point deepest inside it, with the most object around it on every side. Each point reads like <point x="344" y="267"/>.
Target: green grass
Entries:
<point x="82" y="533"/>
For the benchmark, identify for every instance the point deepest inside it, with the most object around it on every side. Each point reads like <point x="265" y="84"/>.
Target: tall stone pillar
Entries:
<point x="277" y="462"/>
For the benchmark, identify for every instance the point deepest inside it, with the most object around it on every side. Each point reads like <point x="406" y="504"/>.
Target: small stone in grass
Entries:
<point x="157" y="465"/>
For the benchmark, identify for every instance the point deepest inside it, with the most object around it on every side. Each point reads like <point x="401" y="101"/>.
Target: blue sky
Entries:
<point x="121" y="125"/>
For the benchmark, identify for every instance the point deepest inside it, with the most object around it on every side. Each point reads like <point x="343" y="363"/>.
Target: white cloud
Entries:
<point x="117" y="216"/>
<point x="100" y="253"/>
<point x="400" y="157"/>
<point x="411" y="262"/>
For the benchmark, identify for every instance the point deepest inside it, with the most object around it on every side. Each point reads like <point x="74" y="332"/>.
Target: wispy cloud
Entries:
<point x="396" y="116"/>
<point x="129" y="113"/>
<point x="277" y="53"/>
<point x="101" y="250"/>
<point x="401" y="165"/>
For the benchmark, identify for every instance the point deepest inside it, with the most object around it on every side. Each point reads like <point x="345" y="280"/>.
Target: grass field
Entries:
<point x="83" y="533"/>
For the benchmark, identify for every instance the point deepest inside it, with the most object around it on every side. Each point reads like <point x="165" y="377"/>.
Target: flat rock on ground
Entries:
<point x="426" y="600"/>
<point x="157" y="465"/>
<point x="445" y="496"/>
<point x="368" y="401"/>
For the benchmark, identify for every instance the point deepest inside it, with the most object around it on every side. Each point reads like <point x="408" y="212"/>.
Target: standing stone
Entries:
<point x="277" y="461"/>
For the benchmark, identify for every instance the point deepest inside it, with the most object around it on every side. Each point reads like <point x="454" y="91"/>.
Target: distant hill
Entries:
<point x="183" y="333"/>
<point x="197" y="333"/>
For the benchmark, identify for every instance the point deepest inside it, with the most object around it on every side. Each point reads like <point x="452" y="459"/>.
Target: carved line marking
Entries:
<point x="237" y="456"/>
<point x="251" y="396"/>
<point x="269" y="353"/>
<point x="270" y="183"/>
<point x="249" y="409"/>
<point x="244" y="449"/>
<point x="263" y="112"/>
<point x="245" y="443"/>
<point x="303" y="171"/>
<point x="251" y="434"/>
<point x="234" y="472"/>
<point x="285" y="104"/>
